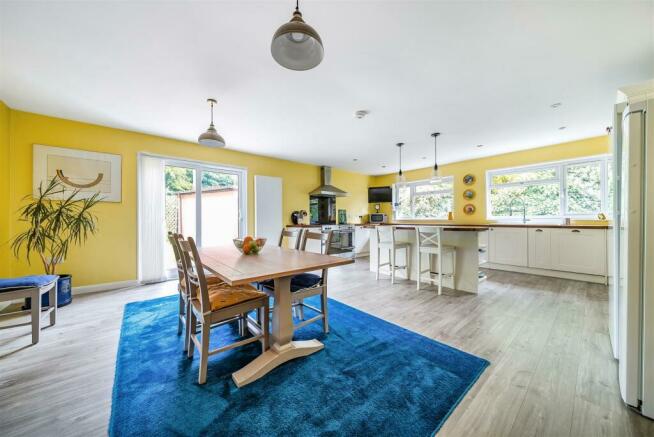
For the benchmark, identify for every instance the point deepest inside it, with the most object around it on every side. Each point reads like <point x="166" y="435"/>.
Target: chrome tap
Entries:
<point x="524" y="208"/>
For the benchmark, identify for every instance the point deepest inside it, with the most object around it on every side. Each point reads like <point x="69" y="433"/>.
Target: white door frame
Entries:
<point x="241" y="172"/>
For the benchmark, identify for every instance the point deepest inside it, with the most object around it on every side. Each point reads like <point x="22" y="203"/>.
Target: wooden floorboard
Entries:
<point x="551" y="373"/>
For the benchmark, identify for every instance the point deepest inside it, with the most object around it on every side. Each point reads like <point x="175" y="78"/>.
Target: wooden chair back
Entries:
<point x="174" y="242"/>
<point x="386" y="234"/>
<point x="291" y="233"/>
<point x="325" y="241"/>
<point x="324" y="238"/>
<point x="428" y="236"/>
<point x="196" y="278"/>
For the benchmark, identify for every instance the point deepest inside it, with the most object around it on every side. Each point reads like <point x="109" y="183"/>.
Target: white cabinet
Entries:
<point x="579" y="250"/>
<point x="361" y="240"/>
<point x="508" y="246"/>
<point x="540" y="249"/>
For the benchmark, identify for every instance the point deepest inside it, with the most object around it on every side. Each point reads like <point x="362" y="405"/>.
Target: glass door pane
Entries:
<point x="180" y="208"/>
<point x="220" y="208"/>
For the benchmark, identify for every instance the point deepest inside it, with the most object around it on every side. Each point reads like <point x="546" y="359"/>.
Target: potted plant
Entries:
<point x="57" y="219"/>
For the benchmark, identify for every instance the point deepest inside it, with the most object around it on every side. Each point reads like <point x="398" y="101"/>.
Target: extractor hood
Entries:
<point x="326" y="189"/>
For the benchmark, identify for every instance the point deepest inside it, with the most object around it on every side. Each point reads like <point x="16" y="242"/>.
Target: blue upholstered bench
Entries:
<point x="33" y="287"/>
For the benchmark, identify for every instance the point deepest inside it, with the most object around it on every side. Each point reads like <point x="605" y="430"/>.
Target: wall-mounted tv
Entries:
<point x="380" y="194"/>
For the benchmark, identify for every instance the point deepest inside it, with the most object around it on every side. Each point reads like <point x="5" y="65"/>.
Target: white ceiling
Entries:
<point x="479" y="72"/>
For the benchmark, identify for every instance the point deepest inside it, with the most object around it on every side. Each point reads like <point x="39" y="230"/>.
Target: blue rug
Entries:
<point x="372" y="378"/>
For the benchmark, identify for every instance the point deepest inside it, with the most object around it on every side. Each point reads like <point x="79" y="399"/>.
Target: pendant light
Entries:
<point x="211" y="137"/>
<point x="401" y="178"/>
<point x="296" y="45"/>
<point x="435" y="175"/>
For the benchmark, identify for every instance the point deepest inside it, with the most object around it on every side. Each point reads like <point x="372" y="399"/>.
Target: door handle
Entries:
<point x="539" y="230"/>
<point x="576" y="230"/>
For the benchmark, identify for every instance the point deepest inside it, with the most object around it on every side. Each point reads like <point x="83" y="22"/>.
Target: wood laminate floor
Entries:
<point x="551" y="373"/>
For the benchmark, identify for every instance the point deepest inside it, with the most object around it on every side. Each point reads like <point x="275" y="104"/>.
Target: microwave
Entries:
<point x="378" y="218"/>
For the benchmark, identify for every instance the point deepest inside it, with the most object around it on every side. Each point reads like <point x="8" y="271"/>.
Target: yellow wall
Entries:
<point x="5" y="253"/>
<point x="478" y="167"/>
<point x="111" y="254"/>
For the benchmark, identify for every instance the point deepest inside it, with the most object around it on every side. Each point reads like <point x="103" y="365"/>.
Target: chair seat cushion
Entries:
<point x="298" y="282"/>
<point x="223" y="296"/>
<point x="27" y="281"/>
<point x="211" y="280"/>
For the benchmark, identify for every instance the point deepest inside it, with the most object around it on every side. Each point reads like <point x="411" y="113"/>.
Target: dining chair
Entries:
<point x="218" y="304"/>
<point x="183" y="321"/>
<point x="386" y="241"/>
<point x="288" y="234"/>
<point x="305" y="285"/>
<point x="429" y="243"/>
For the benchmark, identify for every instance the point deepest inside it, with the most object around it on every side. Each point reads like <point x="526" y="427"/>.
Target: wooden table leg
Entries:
<point x="283" y="347"/>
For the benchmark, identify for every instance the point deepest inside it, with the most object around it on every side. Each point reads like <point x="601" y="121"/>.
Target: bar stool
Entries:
<point x="429" y="242"/>
<point x="386" y="240"/>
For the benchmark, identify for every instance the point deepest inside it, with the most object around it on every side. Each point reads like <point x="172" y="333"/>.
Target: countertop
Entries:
<point x="478" y="227"/>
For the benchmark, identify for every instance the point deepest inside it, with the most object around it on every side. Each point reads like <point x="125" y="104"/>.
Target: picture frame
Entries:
<point x="469" y="194"/>
<point x="85" y="171"/>
<point x="469" y="209"/>
<point x="469" y="179"/>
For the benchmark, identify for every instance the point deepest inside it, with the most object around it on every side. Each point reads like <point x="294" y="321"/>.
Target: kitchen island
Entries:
<point x="464" y="238"/>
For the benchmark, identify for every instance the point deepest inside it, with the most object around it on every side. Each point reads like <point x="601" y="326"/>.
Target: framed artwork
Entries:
<point x="469" y="179"/>
<point x="469" y="194"/>
<point x="469" y="209"/>
<point x="88" y="172"/>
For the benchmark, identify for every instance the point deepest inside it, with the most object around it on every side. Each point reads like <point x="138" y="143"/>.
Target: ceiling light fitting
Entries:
<point x="434" y="171"/>
<point x="401" y="178"/>
<point x="296" y="45"/>
<point x="361" y="113"/>
<point x="211" y="137"/>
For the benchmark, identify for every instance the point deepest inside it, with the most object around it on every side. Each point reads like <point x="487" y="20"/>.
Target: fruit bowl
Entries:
<point x="249" y="245"/>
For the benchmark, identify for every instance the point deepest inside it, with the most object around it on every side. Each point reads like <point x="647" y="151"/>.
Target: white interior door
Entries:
<point x="268" y="218"/>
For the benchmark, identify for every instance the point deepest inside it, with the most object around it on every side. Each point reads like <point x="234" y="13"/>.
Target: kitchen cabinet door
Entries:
<point x="508" y="246"/>
<point x="579" y="250"/>
<point x="540" y="253"/>
<point x="361" y="240"/>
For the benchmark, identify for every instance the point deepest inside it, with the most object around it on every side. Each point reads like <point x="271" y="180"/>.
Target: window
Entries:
<point x="424" y="199"/>
<point x="576" y="188"/>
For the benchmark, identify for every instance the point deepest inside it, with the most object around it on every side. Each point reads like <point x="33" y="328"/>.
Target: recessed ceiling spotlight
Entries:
<point x="355" y="159"/>
<point x="562" y="127"/>
<point x="480" y="145"/>
<point x="424" y="157"/>
<point x="383" y="166"/>
<point x="361" y="113"/>
<point x="556" y="105"/>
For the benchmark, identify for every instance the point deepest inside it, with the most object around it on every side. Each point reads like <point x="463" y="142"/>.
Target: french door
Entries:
<point x="205" y="202"/>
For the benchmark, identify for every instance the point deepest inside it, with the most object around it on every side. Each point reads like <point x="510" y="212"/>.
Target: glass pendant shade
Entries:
<point x="211" y="137"/>
<point x="296" y="45"/>
<point x="435" y="174"/>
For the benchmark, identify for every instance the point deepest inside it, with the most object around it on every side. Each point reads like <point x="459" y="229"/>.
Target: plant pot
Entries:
<point x="64" y="293"/>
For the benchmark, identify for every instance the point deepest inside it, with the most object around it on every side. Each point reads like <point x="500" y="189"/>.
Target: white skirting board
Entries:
<point x="544" y="272"/>
<point x="107" y="286"/>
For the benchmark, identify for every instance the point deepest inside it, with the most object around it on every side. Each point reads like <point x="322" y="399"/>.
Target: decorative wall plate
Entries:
<point x="469" y="209"/>
<point x="469" y="194"/>
<point x="469" y="179"/>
